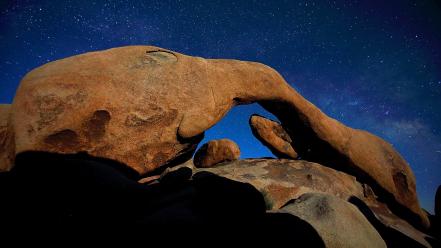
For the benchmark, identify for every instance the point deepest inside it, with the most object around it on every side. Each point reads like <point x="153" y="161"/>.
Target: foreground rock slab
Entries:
<point x="147" y="107"/>
<point x="281" y="180"/>
<point x="216" y="151"/>
<point x="89" y="196"/>
<point x="395" y="231"/>
<point x="339" y="223"/>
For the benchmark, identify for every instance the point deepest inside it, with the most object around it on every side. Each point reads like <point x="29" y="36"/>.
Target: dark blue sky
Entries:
<point x="374" y="65"/>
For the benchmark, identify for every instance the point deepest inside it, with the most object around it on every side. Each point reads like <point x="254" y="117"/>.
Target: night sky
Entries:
<point x="374" y="65"/>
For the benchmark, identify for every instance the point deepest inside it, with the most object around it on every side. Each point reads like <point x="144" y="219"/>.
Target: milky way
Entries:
<point x="370" y="64"/>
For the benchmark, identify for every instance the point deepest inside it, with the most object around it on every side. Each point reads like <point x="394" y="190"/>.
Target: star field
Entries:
<point x="374" y="65"/>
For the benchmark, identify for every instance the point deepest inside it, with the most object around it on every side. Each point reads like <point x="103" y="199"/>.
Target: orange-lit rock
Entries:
<point x="6" y="139"/>
<point x="273" y="136"/>
<point x="146" y="106"/>
<point x="216" y="151"/>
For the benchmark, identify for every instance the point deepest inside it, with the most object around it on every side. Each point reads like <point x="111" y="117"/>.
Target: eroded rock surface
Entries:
<point x="395" y="231"/>
<point x="216" y="151"/>
<point x="6" y="139"/>
<point x="281" y="180"/>
<point x="146" y="106"/>
<point x="84" y="195"/>
<point x="273" y="136"/>
<point x="339" y="223"/>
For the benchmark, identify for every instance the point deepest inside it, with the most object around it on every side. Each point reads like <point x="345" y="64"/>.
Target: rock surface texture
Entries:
<point x="281" y="180"/>
<point x="147" y="107"/>
<point x="216" y="151"/>
<point x="6" y="139"/>
<point x="273" y="136"/>
<point x="339" y="223"/>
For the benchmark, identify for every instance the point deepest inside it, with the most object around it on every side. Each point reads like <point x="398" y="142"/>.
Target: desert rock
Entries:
<point x="339" y="223"/>
<point x="148" y="180"/>
<point x="273" y="136"/>
<point x="216" y="151"/>
<point x="395" y="231"/>
<point x="281" y="180"/>
<point x="6" y="139"/>
<point x="147" y="106"/>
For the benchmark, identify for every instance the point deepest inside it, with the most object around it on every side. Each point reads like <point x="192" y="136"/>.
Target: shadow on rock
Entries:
<point x="392" y="237"/>
<point x="82" y="193"/>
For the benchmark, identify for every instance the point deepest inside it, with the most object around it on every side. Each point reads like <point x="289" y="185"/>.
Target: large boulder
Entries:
<point x="147" y="106"/>
<point x="339" y="223"/>
<point x="216" y="151"/>
<point x="273" y="136"/>
<point x="281" y="180"/>
<point x="395" y="231"/>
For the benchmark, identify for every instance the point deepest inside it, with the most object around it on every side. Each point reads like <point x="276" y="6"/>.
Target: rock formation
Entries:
<point x="6" y="139"/>
<point x="147" y="107"/>
<point x="395" y="231"/>
<point x="339" y="223"/>
<point x="78" y="195"/>
<point x="216" y="151"/>
<point x="281" y="180"/>
<point x="273" y="136"/>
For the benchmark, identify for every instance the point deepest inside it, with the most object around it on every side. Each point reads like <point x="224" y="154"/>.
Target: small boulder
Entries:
<point x="273" y="136"/>
<point x="216" y="151"/>
<point x="339" y="223"/>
